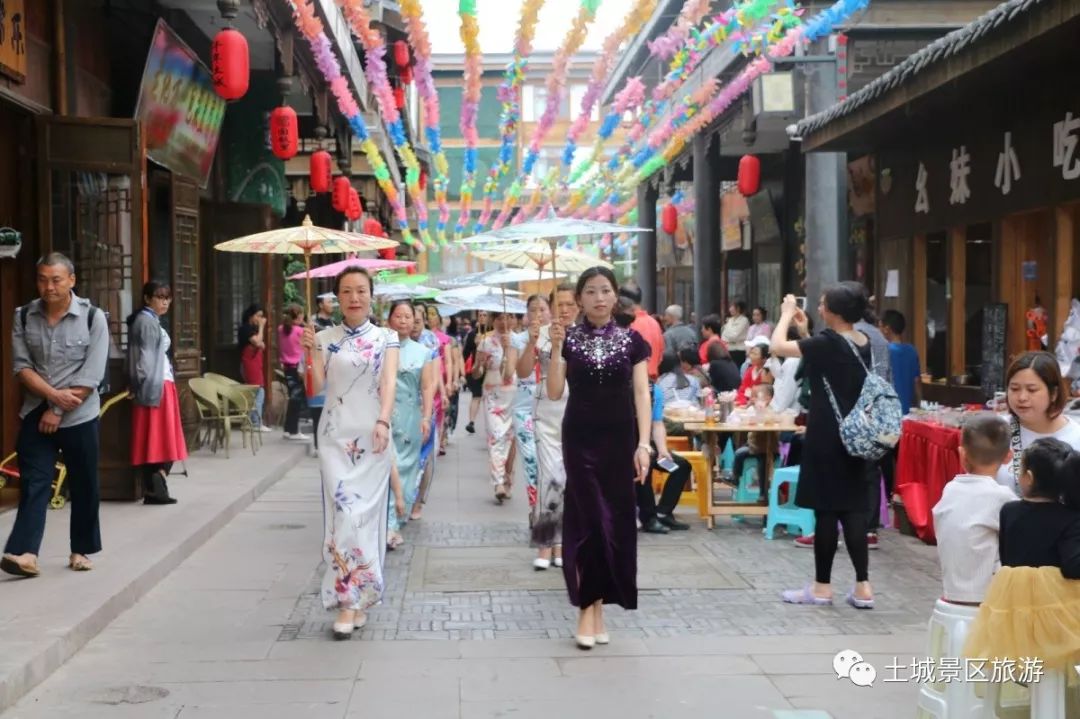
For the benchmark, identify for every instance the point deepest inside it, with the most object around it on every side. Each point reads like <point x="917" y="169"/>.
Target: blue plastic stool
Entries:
<point x="797" y="519"/>
<point x="744" y="492"/>
<point x="727" y="457"/>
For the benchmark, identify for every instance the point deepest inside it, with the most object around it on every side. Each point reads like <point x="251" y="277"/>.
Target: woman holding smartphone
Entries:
<point x="605" y="450"/>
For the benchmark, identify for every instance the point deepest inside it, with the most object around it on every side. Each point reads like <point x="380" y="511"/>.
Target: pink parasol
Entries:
<point x="368" y="263"/>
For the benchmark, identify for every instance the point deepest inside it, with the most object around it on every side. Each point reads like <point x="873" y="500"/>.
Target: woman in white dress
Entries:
<point x="356" y="364"/>
<point x="546" y="516"/>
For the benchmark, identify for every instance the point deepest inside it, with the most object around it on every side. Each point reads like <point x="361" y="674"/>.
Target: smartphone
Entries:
<point x="800" y="302"/>
<point x="667" y="464"/>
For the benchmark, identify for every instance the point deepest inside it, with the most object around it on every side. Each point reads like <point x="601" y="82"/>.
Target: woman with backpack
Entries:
<point x="157" y="437"/>
<point x="832" y="481"/>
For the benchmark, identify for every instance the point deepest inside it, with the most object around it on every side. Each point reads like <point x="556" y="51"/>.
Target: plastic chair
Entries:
<point x="220" y="379"/>
<point x="727" y="457"/>
<point x="797" y="519"/>
<point x="949" y="626"/>
<point x="675" y="443"/>
<point x="236" y="409"/>
<point x="211" y="418"/>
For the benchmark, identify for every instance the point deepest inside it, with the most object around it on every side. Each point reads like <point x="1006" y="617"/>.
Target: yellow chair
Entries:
<point x="701" y="492"/>
<point x="58" y="499"/>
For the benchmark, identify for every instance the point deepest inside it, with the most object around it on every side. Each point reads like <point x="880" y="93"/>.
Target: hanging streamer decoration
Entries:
<point x="632" y="23"/>
<point x="470" y="108"/>
<point x="376" y="72"/>
<point x="425" y="87"/>
<point x="692" y="13"/>
<point x="510" y="98"/>
<point x="736" y="24"/>
<point x="322" y="49"/>
<point x="556" y="88"/>
<point x="817" y="27"/>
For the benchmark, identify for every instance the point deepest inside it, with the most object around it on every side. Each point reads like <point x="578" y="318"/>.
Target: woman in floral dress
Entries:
<point x="356" y="362"/>
<point x="524" y="408"/>
<point x="546" y="516"/>
<point x="412" y="411"/>
<point x="499" y="391"/>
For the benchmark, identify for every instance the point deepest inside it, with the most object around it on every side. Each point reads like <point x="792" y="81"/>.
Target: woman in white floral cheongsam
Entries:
<point x="356" y="363"/>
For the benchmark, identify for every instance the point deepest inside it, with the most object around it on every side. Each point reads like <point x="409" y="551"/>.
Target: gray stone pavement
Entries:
<point x="467" y="629"/>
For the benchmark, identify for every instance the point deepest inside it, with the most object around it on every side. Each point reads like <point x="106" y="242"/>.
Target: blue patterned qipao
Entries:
<point x="356" y="481"/>
<point x="408" y="406"/>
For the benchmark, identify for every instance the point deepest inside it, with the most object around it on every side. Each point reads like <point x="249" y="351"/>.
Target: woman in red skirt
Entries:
<point x="157" y="437"/>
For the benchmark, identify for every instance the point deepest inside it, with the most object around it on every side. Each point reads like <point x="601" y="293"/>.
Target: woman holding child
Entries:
<point x="1036" y="396"/>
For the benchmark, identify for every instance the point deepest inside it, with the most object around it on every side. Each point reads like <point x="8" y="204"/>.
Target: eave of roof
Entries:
<point x="939" y="62"/>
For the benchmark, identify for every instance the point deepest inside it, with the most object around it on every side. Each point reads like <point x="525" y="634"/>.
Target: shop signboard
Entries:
<point x="13" y="39"/>
<point x="1004" y="161"/>
<point x="178" y="109"/>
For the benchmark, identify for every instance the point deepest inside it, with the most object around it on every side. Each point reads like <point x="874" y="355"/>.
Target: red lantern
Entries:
<point x="669" y="219"/>
<point x="399" y="97"/>
<point x="354" y="209"/>
<point x="284" y="133"/>
<point x="423" y="179"/>
<point x="406" y="75"/>
<point x="387" y="253"/>
<point x="401" y="53"/>
<point x="749" y="175"/>
<point x="229" y="64"/>
<point x="410" y="270"/>
<point x="339" y="200"/>
<point x="373" y="227"/>
<point x="319" y="171"/>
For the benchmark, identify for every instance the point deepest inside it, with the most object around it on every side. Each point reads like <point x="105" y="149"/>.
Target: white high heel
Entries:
<point x="344" y="630"/>
<point x="603" y="638"/>
<point x="540" y="564"/>
<point x="585" y="642"/>
<point x="557" y="562"/>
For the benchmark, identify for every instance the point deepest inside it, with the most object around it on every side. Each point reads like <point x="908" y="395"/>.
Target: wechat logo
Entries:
<point x="849" y="664"/>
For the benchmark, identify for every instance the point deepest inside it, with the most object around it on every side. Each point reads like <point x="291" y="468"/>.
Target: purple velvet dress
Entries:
<point x="599" y="439"/>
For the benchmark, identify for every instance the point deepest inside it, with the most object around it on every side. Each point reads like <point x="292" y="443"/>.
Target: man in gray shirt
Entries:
<point x="60" y="346"/>
<point x="677" y="335"/>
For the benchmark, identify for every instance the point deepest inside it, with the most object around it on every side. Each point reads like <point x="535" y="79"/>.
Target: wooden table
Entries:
<point x="711" y="433"/>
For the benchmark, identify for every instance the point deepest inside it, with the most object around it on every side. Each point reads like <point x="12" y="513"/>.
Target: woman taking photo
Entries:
<point x="1036" y="394"/>
<point x="290" y="352"/>
<point x="356" y="363"/>
<point x="411" y="421"/>
<point x="157" y="437"/>
<point x="673" y="383"/>
<point x="492" y="364"/>
<point x="831" y="482"/>
<point x="605" y="450"/>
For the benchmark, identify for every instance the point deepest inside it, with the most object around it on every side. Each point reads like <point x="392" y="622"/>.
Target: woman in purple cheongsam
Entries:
<point x="605" y="449"/>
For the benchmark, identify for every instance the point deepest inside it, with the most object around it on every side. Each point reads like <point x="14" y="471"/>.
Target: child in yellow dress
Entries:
<point x="1032" y="608"/>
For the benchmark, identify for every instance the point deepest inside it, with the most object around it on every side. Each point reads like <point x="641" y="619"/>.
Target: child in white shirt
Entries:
<point x="966" y="519"/>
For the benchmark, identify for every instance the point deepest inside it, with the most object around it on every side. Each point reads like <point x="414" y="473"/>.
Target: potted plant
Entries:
<point x="10" y="242"/>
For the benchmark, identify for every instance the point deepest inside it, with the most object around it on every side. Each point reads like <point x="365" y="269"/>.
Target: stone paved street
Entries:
<point x="469" y="629"/>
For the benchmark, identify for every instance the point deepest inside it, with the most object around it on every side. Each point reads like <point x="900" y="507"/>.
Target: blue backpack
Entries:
<point x="872" y="427"/>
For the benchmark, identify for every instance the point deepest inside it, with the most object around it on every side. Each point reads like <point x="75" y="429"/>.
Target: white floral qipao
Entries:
<point x="355" y="479"/>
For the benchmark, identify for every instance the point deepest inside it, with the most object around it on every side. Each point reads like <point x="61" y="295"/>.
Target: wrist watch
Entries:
<point x="57" y="411"/>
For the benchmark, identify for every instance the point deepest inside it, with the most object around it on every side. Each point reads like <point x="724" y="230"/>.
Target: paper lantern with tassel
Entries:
<point x="284" y="132"/>
<point x="320" y="173"/>
<point x="339" y="199"/>
<point x="406" y="75"/>
<point x="749" y="175"/>
<point x="399" y="97"/>
<point x="230" y="66"/>
<point x="401" y="53"/>
<point x="354" y="209"/>
<point x="669" y="219"/>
